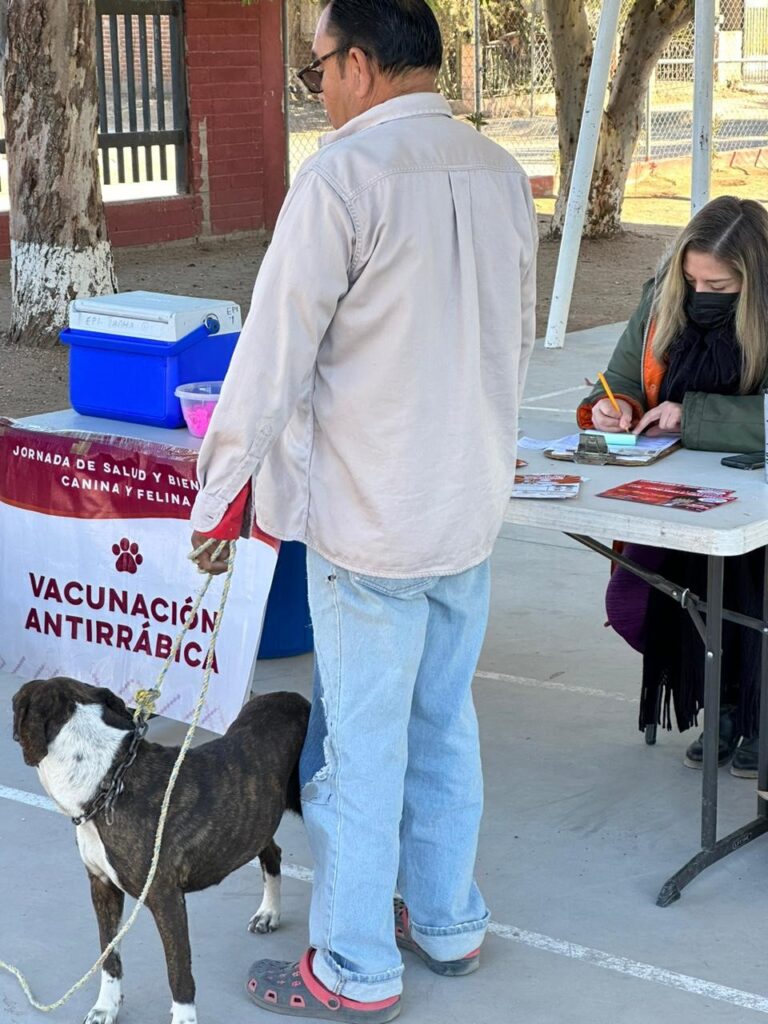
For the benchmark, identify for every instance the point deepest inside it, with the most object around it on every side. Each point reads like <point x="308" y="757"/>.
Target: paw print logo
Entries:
<point x="128" y="557"/>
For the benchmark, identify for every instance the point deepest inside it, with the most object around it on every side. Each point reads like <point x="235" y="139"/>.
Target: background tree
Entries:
<point x="59" y="244"/>
<point x="649" y="26"/>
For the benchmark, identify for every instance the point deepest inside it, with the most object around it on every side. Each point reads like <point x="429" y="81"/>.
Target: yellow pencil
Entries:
<point x="609" y="393"/>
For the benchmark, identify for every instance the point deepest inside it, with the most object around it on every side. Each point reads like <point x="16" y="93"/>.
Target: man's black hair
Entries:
<point x="398" y="34"/>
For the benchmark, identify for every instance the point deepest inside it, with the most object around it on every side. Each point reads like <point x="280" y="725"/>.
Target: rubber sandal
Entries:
<point x="448" y="968"/>
<point x="293" y="989"/>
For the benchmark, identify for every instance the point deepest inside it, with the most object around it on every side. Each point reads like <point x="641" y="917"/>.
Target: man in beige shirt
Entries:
<point x="371" y="407"/>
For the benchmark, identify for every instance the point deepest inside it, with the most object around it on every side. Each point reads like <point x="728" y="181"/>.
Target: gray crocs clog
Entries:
<point x="292" y="989"/>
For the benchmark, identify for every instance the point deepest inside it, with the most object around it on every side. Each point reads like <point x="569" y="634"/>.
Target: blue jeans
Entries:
<point x="392" y="789"/>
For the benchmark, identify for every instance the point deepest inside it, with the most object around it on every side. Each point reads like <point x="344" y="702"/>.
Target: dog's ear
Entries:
<point x="29" y="729"/>
<point x="40" y="709"/>
<point x="115" y="712"/>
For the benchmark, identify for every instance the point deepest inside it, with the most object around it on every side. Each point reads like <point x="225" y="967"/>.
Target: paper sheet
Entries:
<point x="546" y="485"/>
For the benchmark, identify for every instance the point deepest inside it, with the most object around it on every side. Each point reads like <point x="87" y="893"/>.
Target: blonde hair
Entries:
<point x="734" y="231"/>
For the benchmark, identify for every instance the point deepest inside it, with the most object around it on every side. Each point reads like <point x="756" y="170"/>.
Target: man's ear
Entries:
<point x="361" y="70"/>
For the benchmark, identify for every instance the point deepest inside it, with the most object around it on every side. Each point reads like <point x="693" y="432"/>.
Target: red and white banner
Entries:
<point x="95" y="579"/>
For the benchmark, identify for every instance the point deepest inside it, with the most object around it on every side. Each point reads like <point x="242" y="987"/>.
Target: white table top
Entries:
<point x="729" y="529"/>
<point x="68" y="419"/>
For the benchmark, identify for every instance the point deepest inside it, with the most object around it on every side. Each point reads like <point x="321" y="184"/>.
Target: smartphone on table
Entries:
<point x="753" y="460"/>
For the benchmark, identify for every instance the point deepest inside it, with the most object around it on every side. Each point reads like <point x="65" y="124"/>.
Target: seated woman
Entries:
<point x="693" y="360"/>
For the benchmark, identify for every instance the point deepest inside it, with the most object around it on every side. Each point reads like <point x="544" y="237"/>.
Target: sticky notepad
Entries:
<point x="614" y="439"/>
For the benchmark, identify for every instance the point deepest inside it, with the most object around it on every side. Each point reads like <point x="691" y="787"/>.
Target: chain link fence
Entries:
<point x="497" y="71"/>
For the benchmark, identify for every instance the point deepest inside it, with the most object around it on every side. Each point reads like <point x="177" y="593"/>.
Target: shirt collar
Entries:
<point x="411" y="105"/>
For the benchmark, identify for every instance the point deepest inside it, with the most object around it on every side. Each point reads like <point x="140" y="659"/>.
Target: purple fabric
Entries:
<point x="626" y="599"/>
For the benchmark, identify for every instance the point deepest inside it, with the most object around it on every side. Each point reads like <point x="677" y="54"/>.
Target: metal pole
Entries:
<point x="532" y="45"/>
<point x="178" y="94"/>
<point x="648" y="119"/>
<point x="285" y="30"/>
<point x="478" y="67"/>
<point x="582" y="174"/>
<point x="703" y="73"/>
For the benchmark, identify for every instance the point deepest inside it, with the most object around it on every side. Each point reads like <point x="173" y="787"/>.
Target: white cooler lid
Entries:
<point x="151" y="315"/>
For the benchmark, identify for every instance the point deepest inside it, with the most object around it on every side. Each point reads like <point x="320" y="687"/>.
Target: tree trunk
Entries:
<point x="570" y="41"/>
<point x="59" y="245"/>
<point x="612" y="163"/>
<point x="648" y="28"/>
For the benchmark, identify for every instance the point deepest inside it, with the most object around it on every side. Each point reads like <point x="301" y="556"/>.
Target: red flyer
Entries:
<point x="671" y="495"/>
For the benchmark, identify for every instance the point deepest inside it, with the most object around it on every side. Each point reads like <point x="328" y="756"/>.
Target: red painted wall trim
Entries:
<point x="142" y="222"/>
<point x="139" y="222"/>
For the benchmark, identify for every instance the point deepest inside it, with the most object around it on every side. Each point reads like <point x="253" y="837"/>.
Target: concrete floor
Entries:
<point x="583" y="824"/>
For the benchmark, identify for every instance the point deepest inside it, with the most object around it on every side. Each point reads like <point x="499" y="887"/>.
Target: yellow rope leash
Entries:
<point x="145" y="703"/>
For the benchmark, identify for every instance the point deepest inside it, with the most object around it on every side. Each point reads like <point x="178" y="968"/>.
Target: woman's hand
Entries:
<point x="605" y="417"/>
<point x="666" y="418"/>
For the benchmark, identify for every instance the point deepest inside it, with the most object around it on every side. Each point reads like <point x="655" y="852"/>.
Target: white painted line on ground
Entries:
<point x="633" y="968"/>
<point x="31" y="799"/>
<point x="550" y="684"/>
<point x="534" y="940"/>
<point x="297" y="871"/>
<point x="555" y="394"/>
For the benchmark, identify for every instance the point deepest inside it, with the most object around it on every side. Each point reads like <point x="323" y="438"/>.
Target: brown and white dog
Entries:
<point x="229" y="798"/>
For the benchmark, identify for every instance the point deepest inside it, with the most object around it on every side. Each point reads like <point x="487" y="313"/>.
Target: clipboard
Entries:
<point x="593" y="450"/>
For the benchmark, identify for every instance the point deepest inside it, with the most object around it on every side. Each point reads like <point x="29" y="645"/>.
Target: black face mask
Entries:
<point x="709" y="309"/>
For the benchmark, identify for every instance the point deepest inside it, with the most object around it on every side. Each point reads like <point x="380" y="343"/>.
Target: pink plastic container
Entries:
<point x="197" y="404"/>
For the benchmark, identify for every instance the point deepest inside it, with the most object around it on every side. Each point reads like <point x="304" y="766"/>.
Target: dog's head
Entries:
<point x="42" y="707"/>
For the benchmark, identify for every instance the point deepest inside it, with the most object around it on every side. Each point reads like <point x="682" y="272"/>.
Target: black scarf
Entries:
<point x="703" y="359"/>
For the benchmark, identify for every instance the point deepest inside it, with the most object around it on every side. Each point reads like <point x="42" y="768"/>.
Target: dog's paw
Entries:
<point x="183" y="1013"/>
<point x="108" y="1004"/>
<point x="264" y="921"/>
<point x="98" y="1016"/>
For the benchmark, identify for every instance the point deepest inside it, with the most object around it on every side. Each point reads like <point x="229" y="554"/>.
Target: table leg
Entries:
<point x="712" y="848"/>
<point x="712" y="658"/>
<point x="762" y="757"/>
<point x="712" y="663"/>
<point x="672" y="888"/>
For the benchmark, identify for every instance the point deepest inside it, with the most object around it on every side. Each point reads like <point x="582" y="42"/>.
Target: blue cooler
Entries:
<point x="129" y="352"/>
<point x="287" y="626"/>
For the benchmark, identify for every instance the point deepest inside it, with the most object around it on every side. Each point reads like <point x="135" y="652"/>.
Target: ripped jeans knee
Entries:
<point x="316" y="762"/>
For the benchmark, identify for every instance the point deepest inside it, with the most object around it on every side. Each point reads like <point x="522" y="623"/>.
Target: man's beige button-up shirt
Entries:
<point x="373" y="394"/>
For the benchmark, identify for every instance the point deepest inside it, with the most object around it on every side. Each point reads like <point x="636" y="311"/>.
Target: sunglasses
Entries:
<point x="311" y="77"/>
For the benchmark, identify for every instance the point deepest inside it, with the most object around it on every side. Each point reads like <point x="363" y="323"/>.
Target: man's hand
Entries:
<point x="204" y="561"/>
<point x="605" y="417"/>
<point x="666" y="418"/>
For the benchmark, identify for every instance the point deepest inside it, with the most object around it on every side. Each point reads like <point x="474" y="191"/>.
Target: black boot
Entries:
<point x="729" y="737"/>
<point x="744" y="764"/>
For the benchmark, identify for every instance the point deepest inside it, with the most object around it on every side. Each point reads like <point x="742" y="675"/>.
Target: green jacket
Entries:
<point x="715" y="423"/>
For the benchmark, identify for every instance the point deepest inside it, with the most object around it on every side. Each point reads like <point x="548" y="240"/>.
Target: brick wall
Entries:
<point x="225" y="42"/>
<point x="237" y="131"/>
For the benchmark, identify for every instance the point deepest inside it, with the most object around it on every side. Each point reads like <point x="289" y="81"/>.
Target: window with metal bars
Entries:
<point x="142" y="91"/>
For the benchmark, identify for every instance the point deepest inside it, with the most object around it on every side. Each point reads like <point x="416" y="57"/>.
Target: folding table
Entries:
<point x="719" y="533"/>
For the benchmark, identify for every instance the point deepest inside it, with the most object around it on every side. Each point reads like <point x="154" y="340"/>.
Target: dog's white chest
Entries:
<point x="94" y="855"/>
<point x="76" y="762"/>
